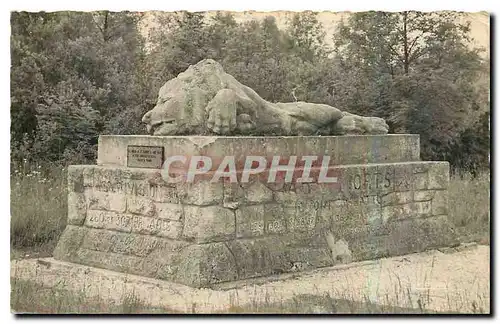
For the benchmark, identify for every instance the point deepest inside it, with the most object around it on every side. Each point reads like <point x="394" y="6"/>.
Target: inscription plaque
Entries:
<point x="145" y="156"/>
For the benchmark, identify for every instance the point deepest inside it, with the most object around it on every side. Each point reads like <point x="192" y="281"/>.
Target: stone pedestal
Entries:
<point x="386" y="202"/>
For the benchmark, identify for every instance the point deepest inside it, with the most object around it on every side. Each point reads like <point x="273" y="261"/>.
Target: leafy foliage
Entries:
<point x="417" y="71"/>
<point x="71" y="72"/>
<point x="77" y="75"/>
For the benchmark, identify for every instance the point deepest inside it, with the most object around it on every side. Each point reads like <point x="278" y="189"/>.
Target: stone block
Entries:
<point x="107" y="179"/>
<point x="202" y="193"/>
<point x="397" y="212"/>
<point x="250" y="221"/>
<point x="112" y="149"/>
<point x="421" y="167"/>
<point x="440" y="203"/>
<point x="141" y="206"/>
<point x="69" y="242"/>
<point x="303" y="258"/>
<point x="106" y="201"/>
<point x="410" y="210"/>
<point x="397" y="198"/>
<point x="117" y="202"/>
<point x="405" y="211"/>
<point x="167" y="194"/>
<point x="122" y="243"/>
<point x="398" y="238"/>
<point x="301" y="218"/>
<point x="330" y="212"/>
<point x="111" y="261"/>
<point x="286" y="198"/>
<point x="339" y="249"/>
<point x="409" y="146"/>
<point x="233" y="195"/>
<point x="439" y="175"/>
<point x="319" y="191"/>
<point x="420" y="181"/>
<point x="169" y="211"/>
<point x="206" y="264"/>
<point x="132" y="174"/>
<point x="154" y="226"/>
<point x="88" y="175"/>
<point x="164" y="259"/>
<point x="275" y="221"/>
<point x="423" y="195"/>
<point x="421" y="234"/>
<point x="258" y="193"/>
<point x="371" y="210"/>
<point x="422" y="209"/>
<point x="257" y="257"/>
<point x="77" y="208"/>
<point x="170" y="229"/>
<point x="358" y="147"/>
<point x="75" y="179"/>
<point x="343" y="215"/>
<point x="404" y="178"/>
<point x="108" y="220"/>
<point x="208" y="224"/>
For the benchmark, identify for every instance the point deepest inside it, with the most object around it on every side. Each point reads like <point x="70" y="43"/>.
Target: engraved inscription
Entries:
<point x="124" y="243"/>
<point x="301" y="205"/>
<point x="145" y="156"/>
<point x="304" y="205"/>
<point x="372" y="181"/>
<point x="142" y="189"/>
<point x="275" y="226"/>
<point x="128" y="223"/>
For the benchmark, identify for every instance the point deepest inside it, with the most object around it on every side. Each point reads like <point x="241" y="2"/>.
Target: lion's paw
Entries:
<point x="359" y="125"/>
<point x="222" y="112"/>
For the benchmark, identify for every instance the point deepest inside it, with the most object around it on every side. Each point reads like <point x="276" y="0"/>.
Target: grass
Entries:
<point x="38" y="206"/>
<point x="38" y="217"/>
<point x="30" y="298"/>
<point x="469" y="203"/>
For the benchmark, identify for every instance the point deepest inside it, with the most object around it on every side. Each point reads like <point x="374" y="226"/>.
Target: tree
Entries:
<point x="414" y="69"/>
<point x="67" y="126"/>
<point x="396" y="42"/>
<point x="71" y="69"/>
<point x="307" y="36"/>
<point x="29" y="62"/>
<point x="183" y="42"/>
<point x="222" y="28"/>
<point x="260" y="60"/>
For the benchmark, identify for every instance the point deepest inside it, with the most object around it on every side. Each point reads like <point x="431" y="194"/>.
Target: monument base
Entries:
<point x="205" y="233"/>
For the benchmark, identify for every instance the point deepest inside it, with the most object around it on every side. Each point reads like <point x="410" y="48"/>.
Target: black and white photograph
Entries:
<point x="249" y="161"/>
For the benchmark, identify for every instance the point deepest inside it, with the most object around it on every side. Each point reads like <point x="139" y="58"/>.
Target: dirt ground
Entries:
<point x="452" y="280"/>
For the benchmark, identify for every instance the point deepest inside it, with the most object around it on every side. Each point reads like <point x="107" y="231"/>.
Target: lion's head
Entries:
<point x="180" y="108"/>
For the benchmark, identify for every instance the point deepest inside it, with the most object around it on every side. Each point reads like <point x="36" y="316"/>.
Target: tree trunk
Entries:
<point x="406" y="62"/>
<point x="105" y="28"/>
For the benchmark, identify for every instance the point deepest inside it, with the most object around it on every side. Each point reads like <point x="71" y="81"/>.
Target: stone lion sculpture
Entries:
<point x="205" y="100"/>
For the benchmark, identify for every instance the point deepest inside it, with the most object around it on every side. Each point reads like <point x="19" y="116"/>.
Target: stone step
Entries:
<point x="342" y="150"/>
